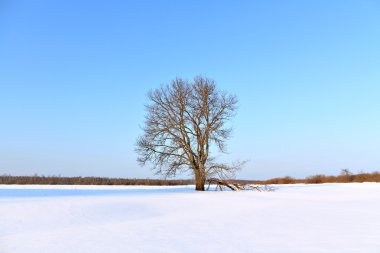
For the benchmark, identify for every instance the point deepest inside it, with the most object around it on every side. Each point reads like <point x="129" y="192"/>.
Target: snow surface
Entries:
<point x="90" y="219"/>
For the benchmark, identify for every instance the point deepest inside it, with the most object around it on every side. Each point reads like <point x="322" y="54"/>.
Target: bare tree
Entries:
<point x="184" y="120"/>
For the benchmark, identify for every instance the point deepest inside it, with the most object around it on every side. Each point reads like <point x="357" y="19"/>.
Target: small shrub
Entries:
<point x="316" y="179"/>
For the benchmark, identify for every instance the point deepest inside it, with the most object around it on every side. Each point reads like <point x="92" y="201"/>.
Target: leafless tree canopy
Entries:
<point x="184" y="120"/>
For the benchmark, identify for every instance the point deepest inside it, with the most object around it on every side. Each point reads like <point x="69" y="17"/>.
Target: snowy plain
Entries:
<point x="95" y="219"/>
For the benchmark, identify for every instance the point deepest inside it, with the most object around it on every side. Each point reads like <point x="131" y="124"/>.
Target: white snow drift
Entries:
<point x="89" y="219"/>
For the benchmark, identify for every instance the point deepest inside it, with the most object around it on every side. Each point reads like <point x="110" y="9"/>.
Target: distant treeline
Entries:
<point x="344" y="177"/>
<point x="58" y="180"/>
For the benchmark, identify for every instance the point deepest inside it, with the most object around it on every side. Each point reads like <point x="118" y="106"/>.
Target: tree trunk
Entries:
<point x="200" y="181"/>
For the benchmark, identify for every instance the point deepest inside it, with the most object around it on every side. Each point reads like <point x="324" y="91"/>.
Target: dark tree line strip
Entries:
<point x="57" y="180"/>
<point x="344" y="177"/>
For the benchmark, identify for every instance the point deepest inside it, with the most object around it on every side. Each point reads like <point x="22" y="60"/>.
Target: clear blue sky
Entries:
<point x="74" y="77"/>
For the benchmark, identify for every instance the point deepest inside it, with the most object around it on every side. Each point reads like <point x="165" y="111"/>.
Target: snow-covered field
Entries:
<point x="298" y="218"/>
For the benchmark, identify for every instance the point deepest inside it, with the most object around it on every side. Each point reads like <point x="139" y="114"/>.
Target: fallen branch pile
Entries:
<point x="222" y="184"/>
